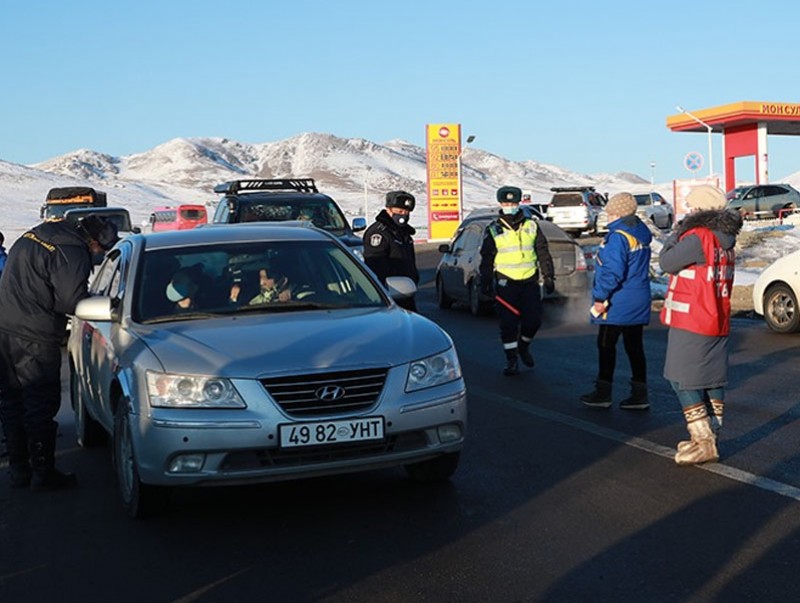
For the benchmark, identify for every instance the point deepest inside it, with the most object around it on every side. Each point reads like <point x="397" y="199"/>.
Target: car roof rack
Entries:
<point x="571" y="189"/>
<point x="301" y="185"/>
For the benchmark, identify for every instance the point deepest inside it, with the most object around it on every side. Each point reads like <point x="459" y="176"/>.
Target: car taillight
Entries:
<point x="580" y="258"/>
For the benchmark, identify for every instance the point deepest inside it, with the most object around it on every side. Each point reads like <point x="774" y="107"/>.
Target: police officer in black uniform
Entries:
<point x="513" y="252"/>
<point x="45" y="277"/>
<point x="389" y="243"/>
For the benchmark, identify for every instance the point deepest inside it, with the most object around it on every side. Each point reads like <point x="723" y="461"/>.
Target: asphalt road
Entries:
<point x="552" y="501"/>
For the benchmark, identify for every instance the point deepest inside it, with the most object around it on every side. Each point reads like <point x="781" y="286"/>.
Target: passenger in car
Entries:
<point x="182" y="289"/>
<point x="274" y="287"/>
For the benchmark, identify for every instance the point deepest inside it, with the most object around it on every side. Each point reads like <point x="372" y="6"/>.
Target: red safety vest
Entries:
<point x="699" y="297"/>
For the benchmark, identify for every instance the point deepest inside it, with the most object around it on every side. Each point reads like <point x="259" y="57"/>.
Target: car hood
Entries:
<point x="272" y="344"/>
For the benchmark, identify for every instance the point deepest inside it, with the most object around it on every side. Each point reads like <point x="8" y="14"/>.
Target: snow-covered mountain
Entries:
<point x="356" y="172"/>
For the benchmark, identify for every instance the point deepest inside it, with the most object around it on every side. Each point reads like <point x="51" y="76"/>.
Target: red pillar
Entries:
<point x="740" y="141"/>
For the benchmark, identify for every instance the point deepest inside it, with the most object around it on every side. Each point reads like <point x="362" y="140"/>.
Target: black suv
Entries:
<point x="286" y="199"/>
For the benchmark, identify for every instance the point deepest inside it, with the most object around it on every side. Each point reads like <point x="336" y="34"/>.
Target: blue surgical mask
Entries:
<point x="510" y="210"/>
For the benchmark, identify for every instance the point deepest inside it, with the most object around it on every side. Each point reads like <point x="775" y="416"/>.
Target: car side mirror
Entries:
<point x="359" y="224"/>
<point x="444" y="248"/>
<point x="94" y="308"/>
<point x="400" y="287"/>
<point x="549" y="218"/>
<point x="136" y="230"/>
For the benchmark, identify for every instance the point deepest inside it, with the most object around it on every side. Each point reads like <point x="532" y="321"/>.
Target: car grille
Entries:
<point x="327" y="394"/>
<point x="296" y="457"/>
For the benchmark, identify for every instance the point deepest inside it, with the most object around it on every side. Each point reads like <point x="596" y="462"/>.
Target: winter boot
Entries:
<point x="525" y="351"/>
<point x="512" y="368"/>
<point x="703" y="447"/>
<point x="19" y="469"/>
<point x="600" y="397"/>
<point x="638" y="400"/>
<point x="717" y="411"/>
<point x="45" y="475"/>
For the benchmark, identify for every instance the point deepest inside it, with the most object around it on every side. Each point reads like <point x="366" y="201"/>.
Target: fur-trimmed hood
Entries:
<point x="721" y="221"/>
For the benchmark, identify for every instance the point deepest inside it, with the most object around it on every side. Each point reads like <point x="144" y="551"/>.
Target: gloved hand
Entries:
<point x="549" y="285"/>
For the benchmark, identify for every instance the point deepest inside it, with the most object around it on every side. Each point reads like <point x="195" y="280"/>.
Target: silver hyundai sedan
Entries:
<point x="254" y="353"/>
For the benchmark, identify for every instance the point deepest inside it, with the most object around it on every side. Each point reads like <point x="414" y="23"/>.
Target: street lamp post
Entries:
<point x="470" y="138"/>
<point x="652" y="173"/>
<point x="710" y="129"/>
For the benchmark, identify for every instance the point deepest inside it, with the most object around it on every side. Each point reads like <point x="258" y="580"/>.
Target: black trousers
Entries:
<point x="526" y="298"/>
<point x="30" y="387"/>
<point x="632" y="339"/>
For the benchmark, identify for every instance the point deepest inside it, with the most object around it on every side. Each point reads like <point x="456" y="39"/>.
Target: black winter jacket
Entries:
<point x="389" y="248"/>
<point x="45" y="277"/>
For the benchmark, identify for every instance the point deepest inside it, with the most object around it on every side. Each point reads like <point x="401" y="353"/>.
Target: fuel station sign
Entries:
<point x="444" y="179"/>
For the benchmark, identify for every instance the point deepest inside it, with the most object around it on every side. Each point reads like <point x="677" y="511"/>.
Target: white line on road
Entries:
<point x="738" y="475"/>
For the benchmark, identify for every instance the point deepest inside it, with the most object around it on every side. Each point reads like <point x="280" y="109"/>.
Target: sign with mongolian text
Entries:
<point x="444" y="179"/>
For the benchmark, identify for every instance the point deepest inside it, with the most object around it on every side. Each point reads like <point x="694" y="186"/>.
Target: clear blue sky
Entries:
<point x="584" y="85"/>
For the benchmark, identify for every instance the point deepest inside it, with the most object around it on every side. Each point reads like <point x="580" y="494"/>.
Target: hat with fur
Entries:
<point x="400" y="200"/>
<point x="620" y="205"/>
<point x="705" y="197"/>
<point x="509" y="194"/>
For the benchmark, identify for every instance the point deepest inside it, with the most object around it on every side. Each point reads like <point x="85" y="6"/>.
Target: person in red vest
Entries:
<point x="699" y="257"/>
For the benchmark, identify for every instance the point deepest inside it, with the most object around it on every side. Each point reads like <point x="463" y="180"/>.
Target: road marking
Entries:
<point x="738" y="475"/>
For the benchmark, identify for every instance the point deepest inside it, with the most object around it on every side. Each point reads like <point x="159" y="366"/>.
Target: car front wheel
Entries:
<point x="476" y="306"/>
<point x="445" y="302"/>
<point x="140" y="500"/>
<point x="780" y="309"/>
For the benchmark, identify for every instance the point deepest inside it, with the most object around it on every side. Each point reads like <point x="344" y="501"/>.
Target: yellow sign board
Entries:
<point x="444" y="179"/>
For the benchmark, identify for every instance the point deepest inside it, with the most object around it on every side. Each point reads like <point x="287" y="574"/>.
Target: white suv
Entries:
<point x="575" y="209"/>
<point x="649" y="207"/>
<point x="776" y="293"/>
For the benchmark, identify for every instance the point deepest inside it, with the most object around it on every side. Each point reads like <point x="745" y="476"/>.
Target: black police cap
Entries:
<point x="400" y="200"/>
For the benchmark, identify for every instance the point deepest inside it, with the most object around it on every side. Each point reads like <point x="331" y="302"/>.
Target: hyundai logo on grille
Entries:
<point x="329" y="393"/>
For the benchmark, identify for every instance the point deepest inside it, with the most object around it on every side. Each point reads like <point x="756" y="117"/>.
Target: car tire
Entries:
<point x="476" y="306"/>
<point x="88" y="431"/>
<point x="445" y="301"/>
<point x="780" y="309"/>
<point x="140" y="500"/>
<point x="437" y="469"/>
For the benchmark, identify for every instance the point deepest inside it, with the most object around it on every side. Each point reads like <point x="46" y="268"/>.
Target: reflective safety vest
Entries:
<point x="699" y="297"/>
<point x="516" y="254"/>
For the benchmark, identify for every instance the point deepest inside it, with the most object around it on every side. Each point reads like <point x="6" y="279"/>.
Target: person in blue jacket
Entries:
<point x="621" y="302"/>
<point x="3" y="254"/>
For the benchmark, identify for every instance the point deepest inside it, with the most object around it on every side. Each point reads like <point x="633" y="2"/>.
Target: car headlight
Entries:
<point x="433" y="370"/>
<point x="191" y="391"/>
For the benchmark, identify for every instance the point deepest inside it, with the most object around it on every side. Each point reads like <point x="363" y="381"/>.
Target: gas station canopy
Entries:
<point x="745" y="126"/>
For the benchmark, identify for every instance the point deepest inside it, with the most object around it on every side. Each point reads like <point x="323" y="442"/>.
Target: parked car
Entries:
<point x="279" y="200"/>
<point x="763" y="200"/>
<point x="776" y="292"/>
<point x="649" y="207"/>
<point x="575" y="209"/>
<point x="458" y="276"/>
<point x="118" y="215"/>
<point x="333" y="379"/>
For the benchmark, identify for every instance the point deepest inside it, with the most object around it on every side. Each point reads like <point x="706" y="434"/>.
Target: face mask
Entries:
<point x="510" y="210"/>
<point x="400" y="219"/>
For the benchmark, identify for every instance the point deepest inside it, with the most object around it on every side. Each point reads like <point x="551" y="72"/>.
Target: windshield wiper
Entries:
<point x="182" y="316"/>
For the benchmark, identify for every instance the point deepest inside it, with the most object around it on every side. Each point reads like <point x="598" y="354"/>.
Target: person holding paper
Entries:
<point x="621" y="302"/>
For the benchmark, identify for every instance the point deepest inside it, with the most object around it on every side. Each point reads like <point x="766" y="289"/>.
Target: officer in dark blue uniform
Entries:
<point x="389" y="243"/>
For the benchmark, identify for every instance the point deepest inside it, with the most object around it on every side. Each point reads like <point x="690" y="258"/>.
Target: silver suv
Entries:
<point x="575" y="209"/>
<point x="763" y="200"/>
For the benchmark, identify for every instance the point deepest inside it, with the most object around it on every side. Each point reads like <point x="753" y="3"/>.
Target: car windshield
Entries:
<point x="320" y="212"/>
<point x="642" y="199"/>
<point x="231" y="278"/>
<point x="121" y="220"/>
<point x="567" y="200"/>
<point x="736" y="193"/>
